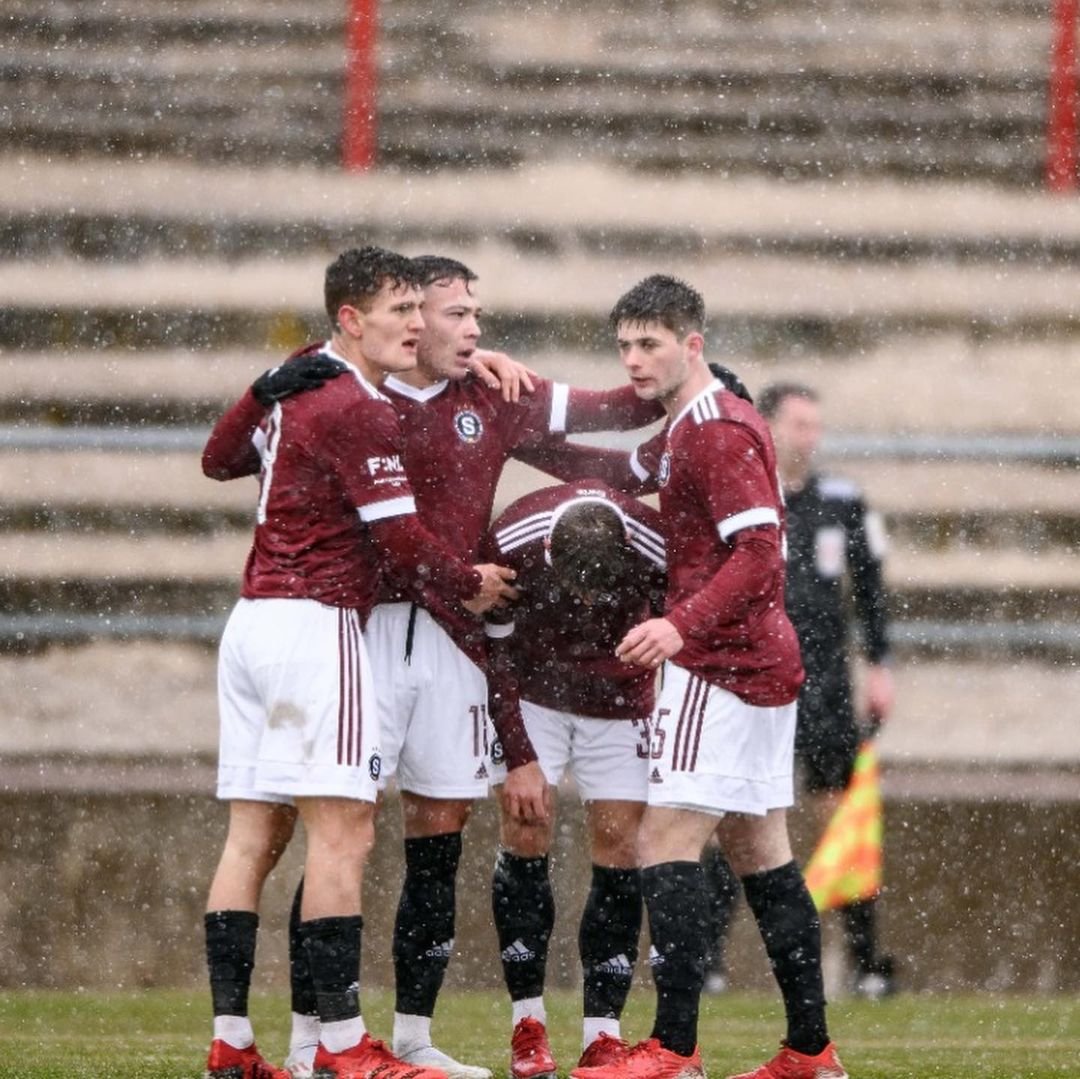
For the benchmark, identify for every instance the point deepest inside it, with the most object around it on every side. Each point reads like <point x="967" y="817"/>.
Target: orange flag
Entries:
<point x="846" y="865"/>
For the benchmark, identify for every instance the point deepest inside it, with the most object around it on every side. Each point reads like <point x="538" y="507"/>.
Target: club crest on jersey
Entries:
<point x="468" y="425"/>
<point x="663" y="470"/>
<point x="374" y="766"/>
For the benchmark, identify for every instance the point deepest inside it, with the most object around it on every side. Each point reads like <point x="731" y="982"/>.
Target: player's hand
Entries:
<point x="879" y="694"/>
<point x="495" y="588"/>
<point x="498" y="371"/>
<point x="649" y="643"/>
<point x="526" y="794"/>
<point x="295" y="376"/>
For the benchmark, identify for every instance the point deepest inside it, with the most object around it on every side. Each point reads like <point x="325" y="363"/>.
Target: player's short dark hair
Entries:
<point x="590" y="551"/>
<point x="432" y="268"/>
<point x="664" y="299"/>
<point x="776" y="393"/>
<point x="356" y="276"/>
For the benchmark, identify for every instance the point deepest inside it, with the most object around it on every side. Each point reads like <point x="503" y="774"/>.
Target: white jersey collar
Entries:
<point x="712" y="387"/>
<point x="416" y="393"/>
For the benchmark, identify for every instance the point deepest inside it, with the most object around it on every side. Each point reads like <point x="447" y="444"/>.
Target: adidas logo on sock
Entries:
<point x="655" y="958"/>
<point x="618" y="965"/>
<point x="440" y="951"/>
<point x="518" y="953"/>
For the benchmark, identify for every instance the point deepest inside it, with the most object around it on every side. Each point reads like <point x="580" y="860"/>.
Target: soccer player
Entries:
<point x="724" y="725"/>
<point x="432" y="700"/>
<point x="589" y="564"/>
<point x="298" y="725"/>
<point x="834" y="542"/>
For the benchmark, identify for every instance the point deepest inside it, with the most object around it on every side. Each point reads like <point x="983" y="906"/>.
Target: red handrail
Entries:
<point x="358" y="143"/>
<point x="1061" y="107"/>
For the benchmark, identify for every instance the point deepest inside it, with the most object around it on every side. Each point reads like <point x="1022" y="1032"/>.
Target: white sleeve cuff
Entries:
<point x="392" y="507"/>
<point x="759" y="515"/>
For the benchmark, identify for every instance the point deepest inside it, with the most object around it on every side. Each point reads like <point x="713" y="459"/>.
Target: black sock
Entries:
<point x="333" y="950"/>
<point x="424" y="928"/>
<point x="791" y="930"/>
<point x="300" y="983"/>
<point x="608" y="939"/>
<point x="523" y="907"/>
<point x="678" y="908"/>
<point x="723" y="888"/>
<point x="860" y="929"/>
<point x="230" y="958"/>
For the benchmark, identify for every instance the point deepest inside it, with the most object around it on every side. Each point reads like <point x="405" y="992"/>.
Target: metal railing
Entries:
<point x="1044" y="449"/>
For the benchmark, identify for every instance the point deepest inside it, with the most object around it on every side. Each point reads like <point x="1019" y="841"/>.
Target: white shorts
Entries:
<point x="436" y="736"/>
<point x="297" y="705"/>
<point x="608" y="758"/>
<point x="714" y="753"/>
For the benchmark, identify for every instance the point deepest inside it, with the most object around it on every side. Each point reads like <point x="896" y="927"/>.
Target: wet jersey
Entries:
<point x="331" y="463"/>
<point x="723" y="521"/>
<point x="557" y="651"/>
<point x="335" y="507"/>
<point x="458" y="436"/>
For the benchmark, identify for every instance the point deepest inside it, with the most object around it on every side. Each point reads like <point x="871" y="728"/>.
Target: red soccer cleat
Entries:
<point x="225" y="1062"/>
<point x="368" y="1058"/>
<point x="646" y="1060"/>
<point x="530" y="1053"/>
<point x="606" y="1049"/>
<point x="788" y="1064"/>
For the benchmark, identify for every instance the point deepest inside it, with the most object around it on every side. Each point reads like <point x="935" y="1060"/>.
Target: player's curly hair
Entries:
<point x="432" y="268"/>
<point x="663" y="299"/>
<point x="357" y="275"/>
<point x="590" y="551"/>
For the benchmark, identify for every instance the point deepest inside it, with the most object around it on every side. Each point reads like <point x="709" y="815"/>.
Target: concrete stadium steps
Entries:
<point x="758" y="305"/>
<point x="80" y="700"/>
<point x="909" y="387"/>
<point x="146" y="575"/>
<point x="794" y="90"/>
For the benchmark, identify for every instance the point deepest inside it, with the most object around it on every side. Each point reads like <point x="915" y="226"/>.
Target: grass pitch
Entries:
<point x="163" y="1035"/>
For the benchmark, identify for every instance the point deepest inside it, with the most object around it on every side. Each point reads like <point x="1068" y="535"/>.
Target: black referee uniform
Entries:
<point x="834" y="578"/>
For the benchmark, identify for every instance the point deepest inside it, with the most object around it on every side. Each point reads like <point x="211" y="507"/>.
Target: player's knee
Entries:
<point x="525" y="840"/>
<point x="433" y="816"/>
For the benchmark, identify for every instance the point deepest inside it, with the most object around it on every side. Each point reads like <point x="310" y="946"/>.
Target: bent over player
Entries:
<point x="724" y="725"/>
<point x="298" y="725"/>
<point x="589" y="565"/>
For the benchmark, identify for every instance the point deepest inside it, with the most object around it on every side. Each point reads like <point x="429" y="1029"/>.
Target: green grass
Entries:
<point x="163" y="1035"/>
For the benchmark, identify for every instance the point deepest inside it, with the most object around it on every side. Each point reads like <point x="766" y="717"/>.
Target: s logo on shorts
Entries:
<point x="374" y="765"/>
<point x="497" y="755"/>
<point x="469" y="426"/>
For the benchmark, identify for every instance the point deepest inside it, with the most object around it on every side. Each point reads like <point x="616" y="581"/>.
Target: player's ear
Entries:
<point x="351" y="320"/>
<point x="694" y="344"/>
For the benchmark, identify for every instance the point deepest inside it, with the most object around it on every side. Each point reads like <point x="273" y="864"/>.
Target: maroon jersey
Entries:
<point x="334" y="501"/>
<point x="723" y="522"/>
<point x="458" y="436"/>
<point x="555" y="651"/>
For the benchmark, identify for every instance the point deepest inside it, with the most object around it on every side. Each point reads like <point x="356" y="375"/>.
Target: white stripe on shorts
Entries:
<point x="350" y="712"/>
<point x="684" y="752"/>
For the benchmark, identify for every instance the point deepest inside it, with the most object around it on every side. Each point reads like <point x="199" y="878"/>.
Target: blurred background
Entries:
<point x="875" y="198"/>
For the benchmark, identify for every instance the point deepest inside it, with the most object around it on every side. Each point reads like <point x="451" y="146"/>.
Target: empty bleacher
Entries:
<point x="854" y="188"/>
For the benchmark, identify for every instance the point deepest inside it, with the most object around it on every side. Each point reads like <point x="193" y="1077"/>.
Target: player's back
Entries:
<point x="563" y="647"/>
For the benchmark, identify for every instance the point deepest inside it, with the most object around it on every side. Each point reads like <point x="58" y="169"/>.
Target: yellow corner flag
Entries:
<point x="846" y="866"/>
